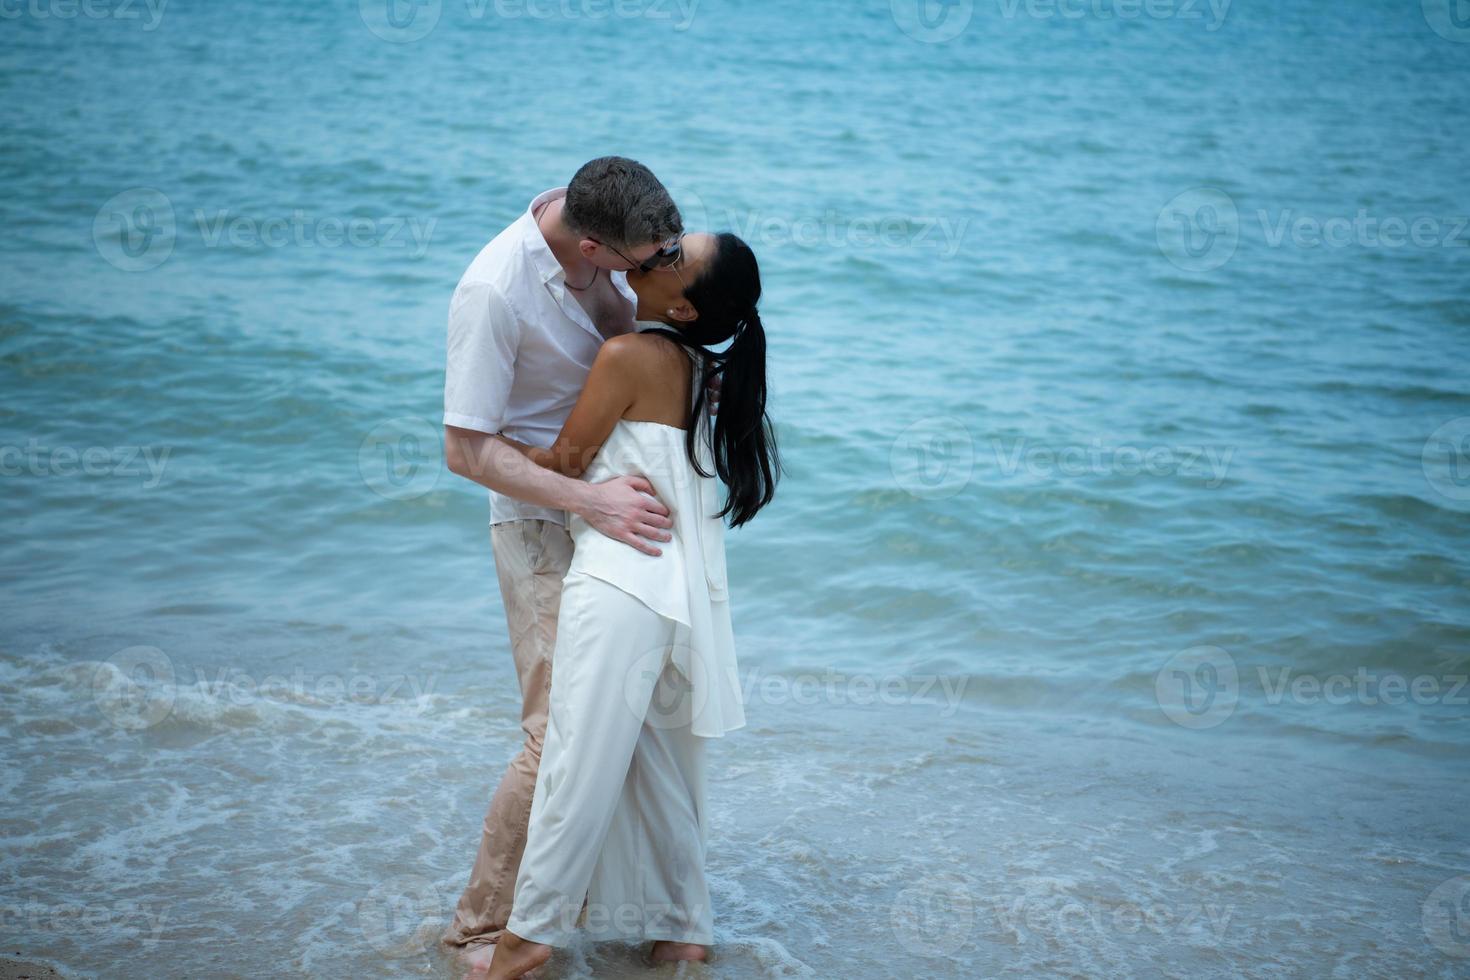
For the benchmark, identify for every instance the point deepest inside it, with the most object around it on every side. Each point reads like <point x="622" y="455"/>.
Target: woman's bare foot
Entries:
<point x="515" y="957"/>
<point x="667" y="952"/>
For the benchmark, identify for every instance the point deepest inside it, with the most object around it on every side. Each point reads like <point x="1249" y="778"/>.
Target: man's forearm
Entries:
<point x="541" y="457"/>
<point x="493" y="462"/>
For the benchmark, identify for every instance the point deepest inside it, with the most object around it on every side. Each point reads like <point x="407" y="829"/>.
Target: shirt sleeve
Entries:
<point x="484" y="335"/>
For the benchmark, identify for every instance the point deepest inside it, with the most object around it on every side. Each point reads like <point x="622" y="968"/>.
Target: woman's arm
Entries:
<point x="609" y="391"/>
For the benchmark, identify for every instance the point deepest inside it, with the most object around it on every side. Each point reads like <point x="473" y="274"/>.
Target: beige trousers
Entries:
<point x="531" y="559"/>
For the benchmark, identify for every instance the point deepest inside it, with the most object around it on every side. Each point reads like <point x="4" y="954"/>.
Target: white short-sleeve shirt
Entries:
<point x="520" y="347"/>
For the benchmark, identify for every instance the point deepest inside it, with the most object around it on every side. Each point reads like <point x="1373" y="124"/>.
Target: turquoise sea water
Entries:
<point x="1112" y="617"/>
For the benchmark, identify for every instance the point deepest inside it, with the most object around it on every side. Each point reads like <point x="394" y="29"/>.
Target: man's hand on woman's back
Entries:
<point x="625" y="510"/>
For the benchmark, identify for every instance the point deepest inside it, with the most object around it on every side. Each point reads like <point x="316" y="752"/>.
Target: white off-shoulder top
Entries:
<point x="687" y="583"/>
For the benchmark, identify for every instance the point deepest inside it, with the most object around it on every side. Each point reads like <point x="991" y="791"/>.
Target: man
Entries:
<point x="525" y="325"/>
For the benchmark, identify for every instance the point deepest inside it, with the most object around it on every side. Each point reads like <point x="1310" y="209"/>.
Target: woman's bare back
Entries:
<point x="662" y="380"/>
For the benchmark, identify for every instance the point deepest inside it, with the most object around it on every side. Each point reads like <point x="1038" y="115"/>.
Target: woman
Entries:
<point x="645" y="661"/>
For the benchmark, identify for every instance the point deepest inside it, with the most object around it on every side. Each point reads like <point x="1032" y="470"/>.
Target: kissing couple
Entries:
<point x="606" y="381"/>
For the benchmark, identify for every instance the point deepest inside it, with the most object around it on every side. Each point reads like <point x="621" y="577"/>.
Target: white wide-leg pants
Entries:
<point x="619" y="809"/>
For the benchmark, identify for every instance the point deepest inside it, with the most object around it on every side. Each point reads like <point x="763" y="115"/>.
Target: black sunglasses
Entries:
<point x="667" y="255"/>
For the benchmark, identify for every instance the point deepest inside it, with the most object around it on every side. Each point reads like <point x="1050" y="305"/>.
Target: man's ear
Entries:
<point x="588" y="247"/>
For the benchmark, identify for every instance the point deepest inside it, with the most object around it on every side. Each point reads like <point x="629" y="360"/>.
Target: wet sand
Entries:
<point x="13" y="968"/>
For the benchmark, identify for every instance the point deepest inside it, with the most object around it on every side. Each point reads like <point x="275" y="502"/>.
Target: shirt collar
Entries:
<point x="540" y="254"/>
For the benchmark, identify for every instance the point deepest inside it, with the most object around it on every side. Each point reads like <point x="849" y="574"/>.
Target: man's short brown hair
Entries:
<point x="620" y="203"/>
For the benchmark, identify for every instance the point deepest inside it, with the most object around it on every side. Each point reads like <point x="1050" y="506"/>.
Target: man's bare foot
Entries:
<point x="515" y="957"/>
<point x="667" y="952"/>
<point x="477" y="958"/>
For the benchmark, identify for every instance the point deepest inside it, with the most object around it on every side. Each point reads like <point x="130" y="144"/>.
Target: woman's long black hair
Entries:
<point x="743" y="442"/>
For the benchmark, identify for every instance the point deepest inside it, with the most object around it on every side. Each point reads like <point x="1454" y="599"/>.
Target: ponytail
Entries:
<point x="743" y="441"/>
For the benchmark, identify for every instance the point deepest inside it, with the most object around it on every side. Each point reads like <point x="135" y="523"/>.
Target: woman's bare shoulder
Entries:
<point x="659" y="371"/>
<point x="643" y="354"/>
